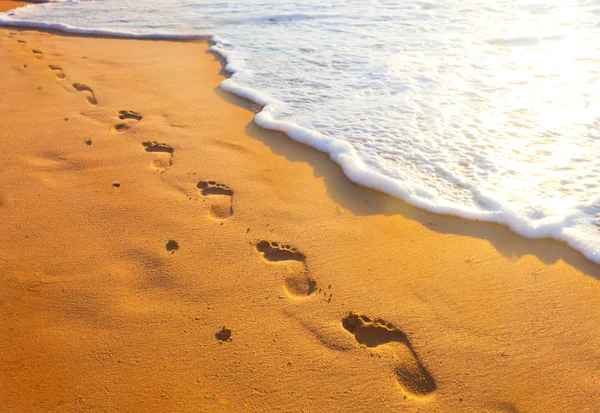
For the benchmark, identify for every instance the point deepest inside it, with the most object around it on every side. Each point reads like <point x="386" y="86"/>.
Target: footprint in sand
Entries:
<point x="298" y="285"/>
<point x="386" y="341"/>
<point x="127" y="115"/>
<point x="164" y="150"/>
<point x="58" y="72"/>
<point x="222" y="195"/>
<point x="37" y="53"/>
<point x="91" y="97"/>
<point x="22" y="43"/>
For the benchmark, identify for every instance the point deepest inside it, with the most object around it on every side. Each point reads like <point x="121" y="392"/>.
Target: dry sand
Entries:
<point x="142" y="210"/>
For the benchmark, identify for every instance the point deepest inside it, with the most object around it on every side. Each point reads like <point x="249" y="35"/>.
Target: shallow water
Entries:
<point x="484" y="109"/>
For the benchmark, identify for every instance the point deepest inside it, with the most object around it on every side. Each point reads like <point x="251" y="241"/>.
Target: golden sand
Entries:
<point x="161" y="253"/>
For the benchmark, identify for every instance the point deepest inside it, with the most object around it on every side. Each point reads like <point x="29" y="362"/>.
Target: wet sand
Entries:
<point x="143" y="212"/>
<point x="6" y="5"/>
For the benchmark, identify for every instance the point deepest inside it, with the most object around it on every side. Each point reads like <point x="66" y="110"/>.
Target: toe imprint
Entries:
<point x="154" y="146"/>
<point x="274" y="251"/>
<point x="129" y="114"/>
<point x="213" y="188"/>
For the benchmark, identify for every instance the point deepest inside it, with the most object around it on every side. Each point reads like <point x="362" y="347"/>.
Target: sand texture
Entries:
<point x="161" y="253"/>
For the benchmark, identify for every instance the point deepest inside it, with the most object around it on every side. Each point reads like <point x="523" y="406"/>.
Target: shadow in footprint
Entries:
<point x="58" y="72"/>
<point x="80" y="87"/>
<point x="154" y="146"/>
<point x="37" y="53"/>
<point x="412" y="377"/>
<point x="213" y="188"/>
<point x="120" y="127"/>
<point x="161" y="148"/>
<point x="127" y="115"/>
<point x="274" y="251"/>
<point x="222" y="193"/>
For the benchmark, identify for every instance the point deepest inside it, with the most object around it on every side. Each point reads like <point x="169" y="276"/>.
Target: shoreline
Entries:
<point x="456" y="278"/>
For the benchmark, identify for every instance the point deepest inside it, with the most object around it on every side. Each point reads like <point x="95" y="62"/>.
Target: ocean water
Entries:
<point x="483" y="109"/>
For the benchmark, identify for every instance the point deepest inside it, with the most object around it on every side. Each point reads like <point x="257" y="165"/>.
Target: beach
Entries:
<point x="163" y="253"/>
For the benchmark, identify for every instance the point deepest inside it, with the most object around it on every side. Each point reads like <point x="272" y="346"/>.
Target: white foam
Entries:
<point x="65" y="28"/>
<point x="486" y="111"/>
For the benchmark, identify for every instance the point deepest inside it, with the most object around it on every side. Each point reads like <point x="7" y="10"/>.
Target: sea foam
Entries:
<point x="487" y="110"/>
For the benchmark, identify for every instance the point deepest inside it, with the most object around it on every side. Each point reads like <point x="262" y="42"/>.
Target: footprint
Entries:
<point x="37" y="53"/>
<point x="161" y="148"/>
<point x="80" y="87"/>
<point x="274" y="251"/>
<point x="125" y="115"/>
<point x="222" y="209"/>
<point x="58" y="72"/>
<point x="386" y="341"/>
<point x="299" y="285"/>
<point x="22" y="43"/>
<point x="129" y="114"/>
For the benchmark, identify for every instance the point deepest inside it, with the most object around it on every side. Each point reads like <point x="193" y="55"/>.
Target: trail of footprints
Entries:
<point x="60" y="75"/>
<point x="379" y="337"/>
